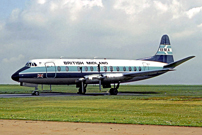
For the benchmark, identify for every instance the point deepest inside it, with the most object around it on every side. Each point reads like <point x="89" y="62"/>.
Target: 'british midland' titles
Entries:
<point x="82" y="63"/>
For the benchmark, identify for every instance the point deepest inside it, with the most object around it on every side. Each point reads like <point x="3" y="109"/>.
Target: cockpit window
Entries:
<point x="30" y="64"/>
<point x="34" y="64"/>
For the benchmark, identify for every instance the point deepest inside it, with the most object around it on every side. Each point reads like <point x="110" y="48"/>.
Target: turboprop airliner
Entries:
<point x="105" y="72"/>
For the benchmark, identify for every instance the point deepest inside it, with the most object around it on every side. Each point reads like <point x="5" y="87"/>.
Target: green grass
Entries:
<point x="155" y="90"/>
<point x="179" y="105"/>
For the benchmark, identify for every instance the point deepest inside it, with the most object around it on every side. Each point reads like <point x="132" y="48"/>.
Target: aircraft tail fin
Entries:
<point x="164" y="53"/>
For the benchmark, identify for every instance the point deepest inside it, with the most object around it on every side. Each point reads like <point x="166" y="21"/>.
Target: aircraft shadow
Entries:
<point x="75" y="94"/>
<point x="50" y="94"/>
<point x="102" y="94"/>
<point x="139" y="92"/>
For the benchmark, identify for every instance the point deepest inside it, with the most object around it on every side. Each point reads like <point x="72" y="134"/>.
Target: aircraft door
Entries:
<point x="50" y="69"/>
<point x="145" y="66"/>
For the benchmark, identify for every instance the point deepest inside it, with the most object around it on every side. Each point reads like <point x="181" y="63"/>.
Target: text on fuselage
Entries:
<point x="87" y="62"/>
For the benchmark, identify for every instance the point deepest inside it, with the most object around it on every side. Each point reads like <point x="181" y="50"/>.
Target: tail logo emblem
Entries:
<point x="165" y="50"/>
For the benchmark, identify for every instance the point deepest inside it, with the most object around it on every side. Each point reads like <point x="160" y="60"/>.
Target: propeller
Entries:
<point x="100" y="84"/>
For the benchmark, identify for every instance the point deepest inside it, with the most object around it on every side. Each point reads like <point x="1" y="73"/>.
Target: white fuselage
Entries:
<point x="68" y="71"/>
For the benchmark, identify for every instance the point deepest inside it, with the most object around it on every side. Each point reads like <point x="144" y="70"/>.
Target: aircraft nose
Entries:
<point x="15" y="76"/>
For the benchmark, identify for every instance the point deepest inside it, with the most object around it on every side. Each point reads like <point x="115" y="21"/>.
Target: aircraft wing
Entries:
<point x="124" y="76"/>
<point x="130" y="75"/>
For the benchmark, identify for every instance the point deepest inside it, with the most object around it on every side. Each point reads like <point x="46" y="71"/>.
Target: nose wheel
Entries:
<point x="35" y="92"/>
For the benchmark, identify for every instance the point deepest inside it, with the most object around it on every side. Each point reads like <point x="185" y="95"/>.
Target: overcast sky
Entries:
<point x="126" y="29"/>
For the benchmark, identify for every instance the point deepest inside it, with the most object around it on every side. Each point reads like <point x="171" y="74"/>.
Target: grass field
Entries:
<point x="179" y="105"/>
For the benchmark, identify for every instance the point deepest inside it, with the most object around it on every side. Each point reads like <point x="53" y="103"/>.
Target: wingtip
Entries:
<point x="191" y="57"/>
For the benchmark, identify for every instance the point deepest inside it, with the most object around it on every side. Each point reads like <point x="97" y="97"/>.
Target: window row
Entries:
<point x="105" y="68"/>
<point x="122" y="68"/>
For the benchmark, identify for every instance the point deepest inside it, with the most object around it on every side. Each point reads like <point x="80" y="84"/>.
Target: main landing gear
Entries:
<point x="114" y="91"/>
<point x="82" y="88"/>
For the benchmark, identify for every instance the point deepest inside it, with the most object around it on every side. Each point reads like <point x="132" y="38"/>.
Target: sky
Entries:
<point x="118" y="29"/>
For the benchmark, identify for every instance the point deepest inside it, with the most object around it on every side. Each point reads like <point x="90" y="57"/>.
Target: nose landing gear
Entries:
<point x="35" y="92"/>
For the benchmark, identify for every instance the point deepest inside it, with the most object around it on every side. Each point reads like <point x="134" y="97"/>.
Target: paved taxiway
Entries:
<point x="52" y="94"/>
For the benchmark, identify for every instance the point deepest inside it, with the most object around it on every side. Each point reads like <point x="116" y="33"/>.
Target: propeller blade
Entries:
<point x="100" y="85"/>
<point x="82" y="87"/>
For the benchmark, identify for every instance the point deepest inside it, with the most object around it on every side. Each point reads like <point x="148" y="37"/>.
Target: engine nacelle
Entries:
<point x="93" y="77"/>
<point x="118" y="75"/>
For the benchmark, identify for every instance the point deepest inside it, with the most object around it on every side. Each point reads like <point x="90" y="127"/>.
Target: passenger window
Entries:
<point x="59" y="68"/>
<point x="86" y="68"/>
<point x="124" y="68"/>
<point x="105" y="68"/>
<point x="67" y="68"/>
<point x="140" y="68"/>
<point x="91" y="68"/>
<point x="111" y="68"/>
<point x="117" y="68"/>
<point x="78" y="68"/>
<point x="135" y="69"/>
<point x="129" y="68"/>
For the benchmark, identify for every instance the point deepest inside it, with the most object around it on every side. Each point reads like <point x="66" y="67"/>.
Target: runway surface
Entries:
<point x="52" y="94"/>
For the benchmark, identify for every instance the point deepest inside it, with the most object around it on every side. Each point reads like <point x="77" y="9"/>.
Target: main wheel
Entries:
<point x="80" y="91"/>
<point x="113" y="91"/>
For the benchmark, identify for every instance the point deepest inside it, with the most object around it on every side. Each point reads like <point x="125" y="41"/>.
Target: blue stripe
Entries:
<point x="74" y="69"/>
<point x="163" y="46"/>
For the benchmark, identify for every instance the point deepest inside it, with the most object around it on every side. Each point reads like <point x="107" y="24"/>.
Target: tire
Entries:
<point x="37" y="93"/>
<point x="113" y="91"/>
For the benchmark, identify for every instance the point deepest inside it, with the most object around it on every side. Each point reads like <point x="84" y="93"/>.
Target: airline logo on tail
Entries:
<point x="165" y="50"/>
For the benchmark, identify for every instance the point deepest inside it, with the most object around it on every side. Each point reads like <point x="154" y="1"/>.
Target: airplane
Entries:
<point x="105" y="72"/>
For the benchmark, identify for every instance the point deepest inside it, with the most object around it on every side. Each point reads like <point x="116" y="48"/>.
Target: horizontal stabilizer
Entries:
<point x="177" y="63"/>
